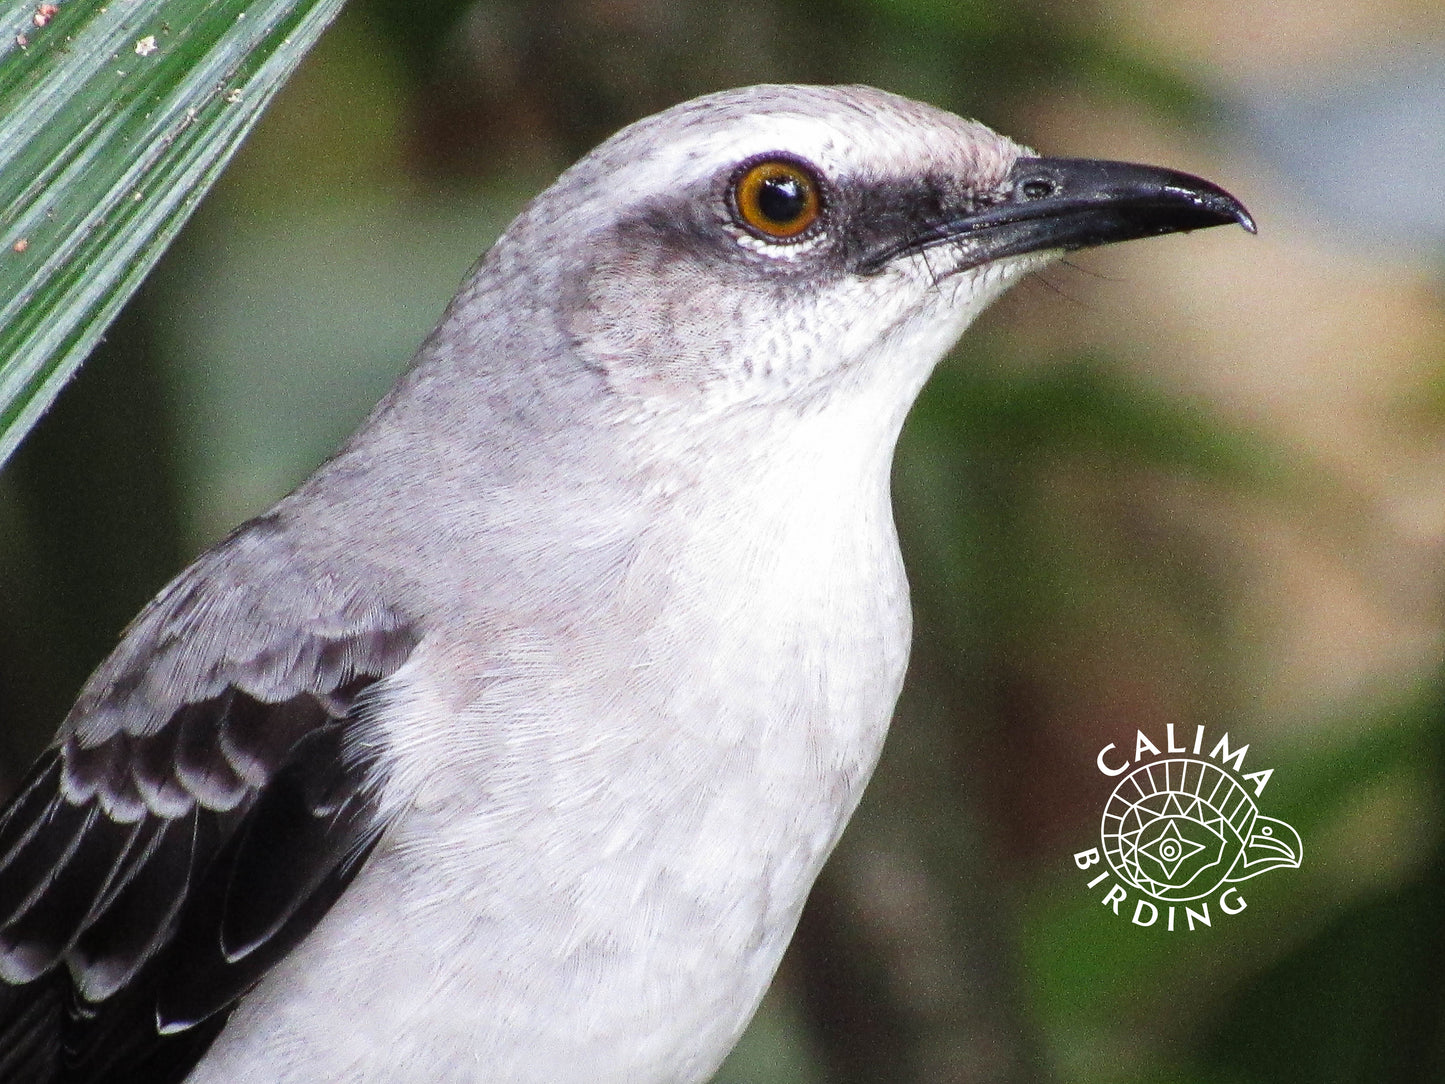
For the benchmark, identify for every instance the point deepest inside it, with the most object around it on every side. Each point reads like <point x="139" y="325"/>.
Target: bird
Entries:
<point x="507" y="746"/>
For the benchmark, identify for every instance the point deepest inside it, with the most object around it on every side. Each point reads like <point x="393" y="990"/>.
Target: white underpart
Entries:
<point x="609" y="909"/>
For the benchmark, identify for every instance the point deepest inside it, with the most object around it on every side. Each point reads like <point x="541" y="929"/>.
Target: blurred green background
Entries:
<point x="1193" y="481"/>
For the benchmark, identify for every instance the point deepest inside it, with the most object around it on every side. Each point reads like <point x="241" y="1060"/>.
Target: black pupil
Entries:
<point x="782" y="199"/>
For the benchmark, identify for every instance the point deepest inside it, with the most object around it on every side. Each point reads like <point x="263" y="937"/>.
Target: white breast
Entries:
<point x="604" y="854"/>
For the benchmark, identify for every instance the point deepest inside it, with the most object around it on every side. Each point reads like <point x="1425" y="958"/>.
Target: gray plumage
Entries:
<point x="507" y="747"/>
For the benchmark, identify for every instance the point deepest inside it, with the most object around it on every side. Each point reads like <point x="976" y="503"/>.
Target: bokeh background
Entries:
<point x="1194" y="480"/>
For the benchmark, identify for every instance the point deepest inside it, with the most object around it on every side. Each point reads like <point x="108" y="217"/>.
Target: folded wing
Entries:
<point x="210" y="798"/>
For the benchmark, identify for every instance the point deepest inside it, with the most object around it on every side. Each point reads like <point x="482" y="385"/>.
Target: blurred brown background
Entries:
<point x="1191" y="480"/>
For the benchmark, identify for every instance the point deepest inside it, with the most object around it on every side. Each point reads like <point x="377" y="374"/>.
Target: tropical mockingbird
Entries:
<point x="507" y="747"/>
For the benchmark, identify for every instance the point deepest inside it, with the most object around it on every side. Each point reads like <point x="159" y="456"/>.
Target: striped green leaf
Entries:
<point x="115" y="118"/>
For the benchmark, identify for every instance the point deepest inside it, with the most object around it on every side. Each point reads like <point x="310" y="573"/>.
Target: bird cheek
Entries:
<point x="656" y="329"/>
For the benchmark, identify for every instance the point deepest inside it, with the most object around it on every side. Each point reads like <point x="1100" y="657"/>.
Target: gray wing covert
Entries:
<point x="207" y="801"/>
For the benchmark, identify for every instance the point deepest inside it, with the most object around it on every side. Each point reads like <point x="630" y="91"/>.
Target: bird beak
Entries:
<point x="1071" y="203"/>
<point x="1272" y="844"/>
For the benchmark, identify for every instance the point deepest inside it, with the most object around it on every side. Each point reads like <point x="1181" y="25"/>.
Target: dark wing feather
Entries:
<point x="28" y="1046"/>
<point x="203" y="809"/>
<point x="298" y="848"/>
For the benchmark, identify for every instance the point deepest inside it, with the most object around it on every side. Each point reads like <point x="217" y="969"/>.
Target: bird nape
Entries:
<point x="508" y="745"/>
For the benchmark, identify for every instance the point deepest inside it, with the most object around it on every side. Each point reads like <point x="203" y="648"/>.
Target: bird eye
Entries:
<point x="777" y="199"/>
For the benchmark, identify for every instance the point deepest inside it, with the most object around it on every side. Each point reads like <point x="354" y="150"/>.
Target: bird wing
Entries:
<point x="208" y="800"/>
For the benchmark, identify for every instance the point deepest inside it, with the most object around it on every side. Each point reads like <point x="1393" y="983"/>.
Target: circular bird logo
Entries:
<point x="1177" y="829"/>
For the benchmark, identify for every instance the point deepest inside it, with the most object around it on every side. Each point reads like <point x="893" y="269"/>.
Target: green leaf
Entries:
<point x="115" y="118"/>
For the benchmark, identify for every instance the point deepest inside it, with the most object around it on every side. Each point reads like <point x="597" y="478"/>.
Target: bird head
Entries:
<point x="779" y="243"/>
<point x="1272" y="844"/>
